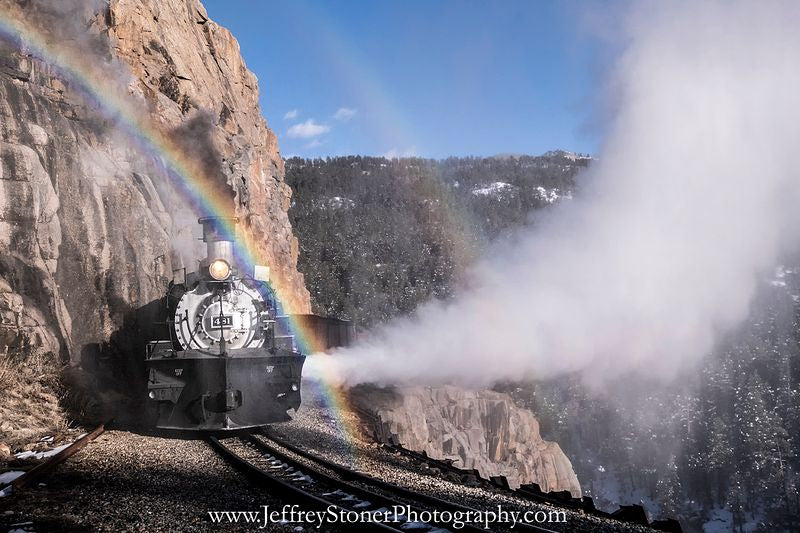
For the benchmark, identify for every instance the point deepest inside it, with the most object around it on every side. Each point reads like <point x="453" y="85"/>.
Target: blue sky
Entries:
<point x="428" y="78"/>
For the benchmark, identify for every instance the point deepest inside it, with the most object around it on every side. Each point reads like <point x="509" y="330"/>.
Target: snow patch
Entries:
<point x="42" y="455"/>
<point x="720" y="521"/>
<point x="8" y="477"/>
<point x="337" y="202"/>
<point x="22" y="527"/>
<point x="572" y="156"/>
<point x="779" y="278"/>
<point x="496" y="189"/>
<point x="549" y="195"/>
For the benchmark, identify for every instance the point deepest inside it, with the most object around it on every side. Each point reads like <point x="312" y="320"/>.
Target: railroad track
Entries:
<point x="320" y="484"/>
<point x="352" y="475"/>
<point x="46" y="466"/>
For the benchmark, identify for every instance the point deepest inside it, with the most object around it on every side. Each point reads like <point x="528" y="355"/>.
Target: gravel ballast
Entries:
<point x="128" y="482"/>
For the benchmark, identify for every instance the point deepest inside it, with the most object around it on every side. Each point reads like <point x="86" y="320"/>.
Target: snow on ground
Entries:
<point x="337" y="202"/>
<point x="46" y="453"/>
<point x="720" y="521"/>
<point x="42" y="455"/>
<point x="498" y="188"/>
<point x="549" y="195"/>
<point x="572" y="156"/>
<point x="609" y="493"/>
<point x="8" y="477"/>
<point x="779" y="279"/>
<point x="785" y="278"/>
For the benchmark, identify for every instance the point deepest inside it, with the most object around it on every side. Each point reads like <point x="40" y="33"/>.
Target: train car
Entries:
<point x="231" y="361"/>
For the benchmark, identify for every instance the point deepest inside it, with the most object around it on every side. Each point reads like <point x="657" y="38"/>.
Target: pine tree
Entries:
<point x="669" y="490"/>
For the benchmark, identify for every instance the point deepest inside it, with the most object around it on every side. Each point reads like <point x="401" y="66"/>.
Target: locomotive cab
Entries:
<point x="231" y="361"/>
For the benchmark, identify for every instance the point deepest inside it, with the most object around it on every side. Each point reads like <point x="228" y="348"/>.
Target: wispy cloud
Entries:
<point x="307" y="130"/>
<point x="290" y="115"/>
<point x="314" y="144"/>
<point x="395" y="153"/>
<point x="345" y="113"/>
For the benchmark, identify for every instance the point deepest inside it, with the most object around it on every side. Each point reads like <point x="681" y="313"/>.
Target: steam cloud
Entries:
<point x="696" y="194"/>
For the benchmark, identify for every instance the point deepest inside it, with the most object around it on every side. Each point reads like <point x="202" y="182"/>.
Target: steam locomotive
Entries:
<point x="231" y="361"/>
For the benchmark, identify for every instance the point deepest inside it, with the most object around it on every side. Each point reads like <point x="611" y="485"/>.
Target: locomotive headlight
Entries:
<point x="219" y="269"/>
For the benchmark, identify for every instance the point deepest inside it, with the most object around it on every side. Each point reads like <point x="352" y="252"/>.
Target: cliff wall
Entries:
<point x="482" y="429"/>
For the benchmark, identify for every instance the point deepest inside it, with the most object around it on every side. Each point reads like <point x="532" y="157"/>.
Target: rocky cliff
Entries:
<point x="483" y="430"/>
<point x="90" y="224"/>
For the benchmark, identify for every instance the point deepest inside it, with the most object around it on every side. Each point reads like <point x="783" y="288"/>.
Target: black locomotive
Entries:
<point x="231" y="361"/>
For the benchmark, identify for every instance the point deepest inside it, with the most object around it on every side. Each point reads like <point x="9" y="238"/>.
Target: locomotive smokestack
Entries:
<point x="218" y="234"/>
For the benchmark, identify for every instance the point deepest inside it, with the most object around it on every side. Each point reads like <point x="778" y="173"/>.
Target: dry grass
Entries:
<point x="29" y="398"/>
<point x="5" y="372"/>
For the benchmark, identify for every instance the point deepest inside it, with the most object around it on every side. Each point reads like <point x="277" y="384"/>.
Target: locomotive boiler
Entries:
<point x="231" y="361"/>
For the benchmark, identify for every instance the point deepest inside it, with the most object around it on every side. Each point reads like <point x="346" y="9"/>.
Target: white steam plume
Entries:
<point x="696" y="193"/>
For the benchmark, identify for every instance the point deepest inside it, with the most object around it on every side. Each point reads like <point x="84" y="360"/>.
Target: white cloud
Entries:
<point x="395" y="153"/>
<point x="290" y="114"/>
<point x="307" y="130"/>
<point x="345" y="113"/>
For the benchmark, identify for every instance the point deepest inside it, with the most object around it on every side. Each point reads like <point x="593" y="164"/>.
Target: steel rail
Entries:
<point x="283" y="490"/>
<point x="26" y="479"/>
<point x="361" y="491"/>
<point x="352" y="475"/>
<point x="463" y="473"/>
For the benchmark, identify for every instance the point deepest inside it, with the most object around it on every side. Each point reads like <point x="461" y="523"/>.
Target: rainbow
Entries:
<point x="348" y="61"/>
<point x="201" y="191"/>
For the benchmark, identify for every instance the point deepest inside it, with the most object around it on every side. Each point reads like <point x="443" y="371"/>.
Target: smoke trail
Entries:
<point x="694" y="195"/>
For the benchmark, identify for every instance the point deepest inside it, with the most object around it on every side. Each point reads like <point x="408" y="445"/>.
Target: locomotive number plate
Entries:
<point x="224" y="321"/>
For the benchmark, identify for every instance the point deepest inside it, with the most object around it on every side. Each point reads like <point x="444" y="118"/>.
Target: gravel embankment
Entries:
<point x="129" y="482"/>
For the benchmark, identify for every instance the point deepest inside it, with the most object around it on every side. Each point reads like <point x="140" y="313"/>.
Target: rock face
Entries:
<point x="483" y="430"/>
<point x="90" y="224"/>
